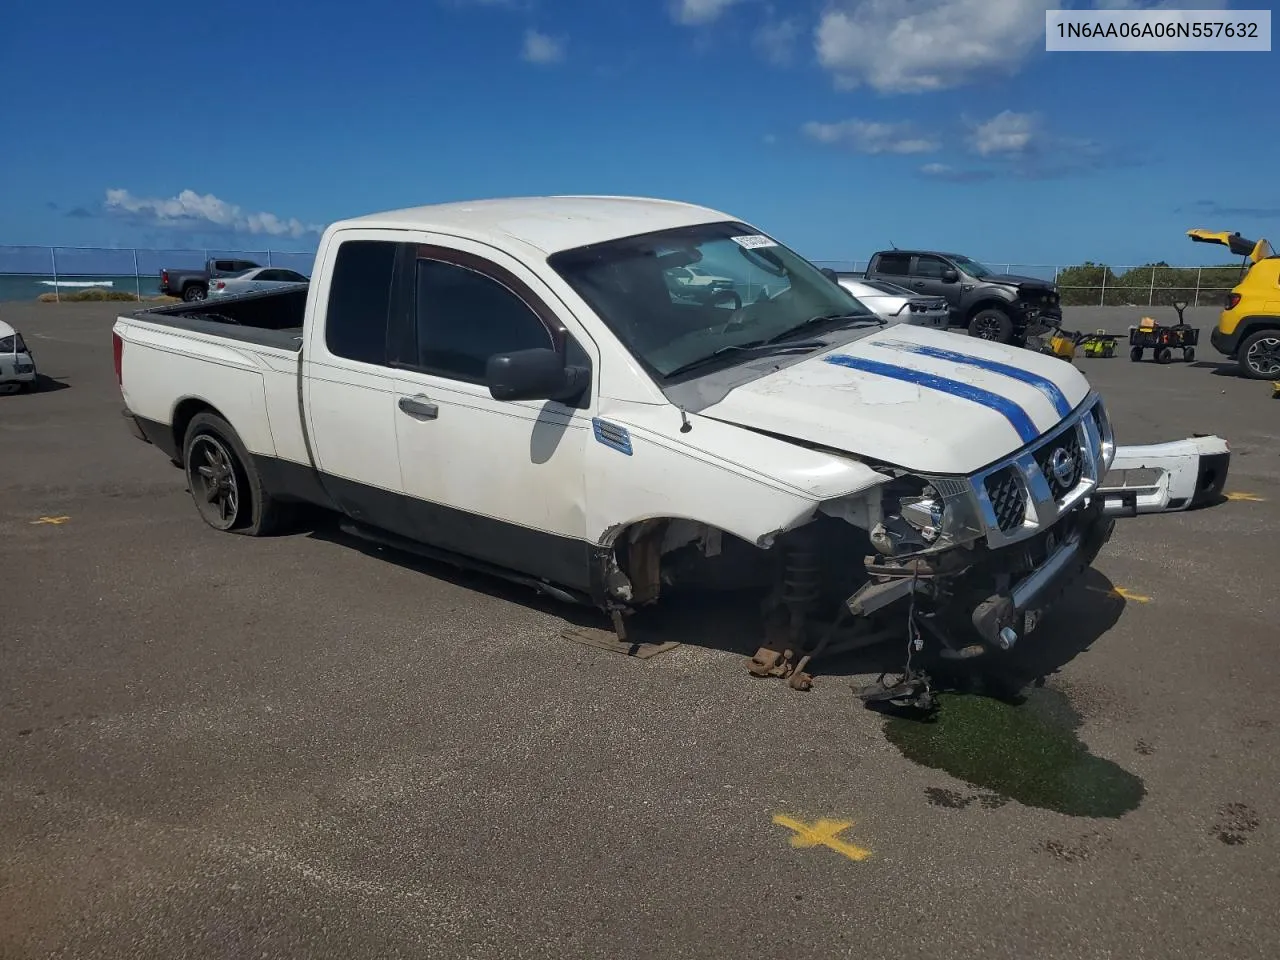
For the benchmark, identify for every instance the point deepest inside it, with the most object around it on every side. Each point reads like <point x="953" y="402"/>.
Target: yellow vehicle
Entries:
<point x="1248" y="329"/>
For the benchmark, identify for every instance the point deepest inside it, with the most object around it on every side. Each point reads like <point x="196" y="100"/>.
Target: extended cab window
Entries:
<point x="464" y="317"/>
<point x="893" y="264"/>
<point x="360" y="300"/>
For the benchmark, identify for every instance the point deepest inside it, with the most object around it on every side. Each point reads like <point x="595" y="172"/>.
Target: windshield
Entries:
<point x="640" y="287"/>
<point x="973" y="268"/>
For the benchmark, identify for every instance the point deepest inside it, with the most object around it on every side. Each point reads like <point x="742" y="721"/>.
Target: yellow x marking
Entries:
<point x="53" y="520"/>
<point x="1251" y="497"/>
<point x="823" y="833"/>
<point x="1122" y="593"/>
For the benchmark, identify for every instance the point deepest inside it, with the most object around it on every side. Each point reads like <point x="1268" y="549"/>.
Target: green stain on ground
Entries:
<point x="1028" y="752"/>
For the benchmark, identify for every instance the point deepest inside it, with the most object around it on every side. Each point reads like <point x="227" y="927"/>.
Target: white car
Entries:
<point x="510" y="385"/>
<point x="257" y="279"/>
<point x="898" y="304"/>
<point x="17" y="365"/>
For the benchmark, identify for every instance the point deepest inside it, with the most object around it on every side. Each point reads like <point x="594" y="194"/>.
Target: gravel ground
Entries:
<point x="214" y="746"/>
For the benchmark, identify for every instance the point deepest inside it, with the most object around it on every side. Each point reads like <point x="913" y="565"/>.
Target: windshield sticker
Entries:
<point x="753" y="242"/>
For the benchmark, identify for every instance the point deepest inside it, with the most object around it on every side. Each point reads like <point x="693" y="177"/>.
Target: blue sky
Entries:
<point x="833" y="124"/>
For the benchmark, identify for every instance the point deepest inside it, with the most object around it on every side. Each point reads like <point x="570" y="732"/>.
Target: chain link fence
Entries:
<point x="31" y="273"/>
<point x="28" y="273"/>
<point x="1098" y="285"/>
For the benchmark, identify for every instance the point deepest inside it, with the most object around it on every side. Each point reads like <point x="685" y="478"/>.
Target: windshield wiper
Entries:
<point x="751" y="347"/>
<point x="850" y="321"/>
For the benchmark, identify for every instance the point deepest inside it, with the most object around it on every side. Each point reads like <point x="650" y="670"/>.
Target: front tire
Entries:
<point x="194" y="293"/>
<point x="992" y="325"/>
<point x="226" y="488"/>
<point x="1259" y="356"/>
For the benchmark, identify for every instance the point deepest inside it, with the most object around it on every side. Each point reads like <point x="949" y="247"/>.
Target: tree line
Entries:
<point x="1156" y="284"/>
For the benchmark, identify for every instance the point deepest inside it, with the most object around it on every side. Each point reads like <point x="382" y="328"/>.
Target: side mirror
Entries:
<point x="950" y="276"/>
<point x="830" y="275"/>
<point x="537" y="374"/>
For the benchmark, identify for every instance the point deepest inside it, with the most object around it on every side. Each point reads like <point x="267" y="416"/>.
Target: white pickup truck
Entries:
<point x="511" y="384"/>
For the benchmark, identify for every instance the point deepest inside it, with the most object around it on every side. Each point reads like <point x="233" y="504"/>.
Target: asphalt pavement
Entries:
<point x="219" y="746"/>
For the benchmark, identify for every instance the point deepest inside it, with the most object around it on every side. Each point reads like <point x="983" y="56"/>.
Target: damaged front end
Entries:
<point x="953" y="567"/>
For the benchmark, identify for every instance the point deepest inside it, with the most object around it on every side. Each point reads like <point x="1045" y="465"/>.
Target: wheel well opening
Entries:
<point x="183" y="414"/>
<point x="987" y="305"/>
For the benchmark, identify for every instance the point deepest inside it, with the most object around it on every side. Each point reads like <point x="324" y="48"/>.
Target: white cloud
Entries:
<point x="692" y="12"/>
<point x="776" y="40"/>
<point x="867" y="136"/>
<point x="1005" y="134"/>
<point x="542" y="48"/>
<point x="915" y="46"/>
<point x="193" y="210"/>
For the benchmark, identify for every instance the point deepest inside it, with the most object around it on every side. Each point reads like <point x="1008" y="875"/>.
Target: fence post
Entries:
<point x="1102" y="297"/>
<point x="1198" y="269"/>
<point x="1055" y="276"/>
<point x="269" y="263"/>
<point x="57" y="291"/>
<point x="1151" y="293"/>
<point x="137" y="278"/>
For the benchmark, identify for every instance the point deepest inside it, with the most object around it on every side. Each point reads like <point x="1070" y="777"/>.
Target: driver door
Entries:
<point x="926" y="279"/>
<point x="501" y="481"/>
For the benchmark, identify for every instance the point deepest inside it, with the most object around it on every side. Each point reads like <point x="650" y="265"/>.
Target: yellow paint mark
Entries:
<point x="823" y="833"/>
<point x="54" y="520"/>
<point x="1250" y="497"/>
<point x="1122" y="594"/>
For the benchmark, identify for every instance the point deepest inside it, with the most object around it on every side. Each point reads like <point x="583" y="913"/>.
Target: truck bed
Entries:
<point x="271" y="318"/>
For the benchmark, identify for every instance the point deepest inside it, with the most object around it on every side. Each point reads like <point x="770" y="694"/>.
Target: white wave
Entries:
<point x="77" y="283"/>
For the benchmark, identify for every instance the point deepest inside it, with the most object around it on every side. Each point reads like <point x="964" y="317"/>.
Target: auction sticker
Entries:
<point x="753" y="242"/>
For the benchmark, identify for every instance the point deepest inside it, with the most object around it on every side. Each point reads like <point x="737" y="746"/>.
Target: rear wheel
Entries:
<point x="1135" y="354"/>
<point x="1163" y="355"/>
<point x="991" y="325"/>
<point x="224" y="484"/>
<point x="1259" y="356"/>
<point x="194" y="292"/>
<point x="1189" y="354"/>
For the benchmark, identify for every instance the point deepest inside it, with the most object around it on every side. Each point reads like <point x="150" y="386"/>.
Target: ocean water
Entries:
<point x="30" y="286"/>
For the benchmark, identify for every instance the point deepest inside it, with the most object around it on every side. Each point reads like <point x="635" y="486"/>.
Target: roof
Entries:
<point x="924" y="253"/>
<point x="6" y="330"/>
<point x="549" y="224"/>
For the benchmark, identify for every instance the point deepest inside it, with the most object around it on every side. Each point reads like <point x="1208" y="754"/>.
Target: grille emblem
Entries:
<point x="1062" y="466"/>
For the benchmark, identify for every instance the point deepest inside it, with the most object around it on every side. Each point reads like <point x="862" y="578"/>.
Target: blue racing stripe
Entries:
<point x="1043" y="384"/>
<point x="1016" y="416"/>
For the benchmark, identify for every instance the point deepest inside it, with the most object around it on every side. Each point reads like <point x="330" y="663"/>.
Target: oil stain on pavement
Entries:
<point x="1028" y="752"/>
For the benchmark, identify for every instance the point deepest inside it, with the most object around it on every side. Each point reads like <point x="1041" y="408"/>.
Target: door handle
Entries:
<point x="917" y="283"/>
<point x="419" y="407"/>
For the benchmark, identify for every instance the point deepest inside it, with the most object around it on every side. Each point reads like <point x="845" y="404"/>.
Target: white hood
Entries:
<point x="926" y="400"/>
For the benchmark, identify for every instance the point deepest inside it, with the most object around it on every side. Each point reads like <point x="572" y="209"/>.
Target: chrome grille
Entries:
<point x="1017" y="498"/>
<point x="1008" y="499"/>
<point x="1061" y="461"/>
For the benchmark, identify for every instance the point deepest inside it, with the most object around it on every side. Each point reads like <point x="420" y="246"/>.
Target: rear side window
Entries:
<point x="6" y="344"/>
<point x="465" y="317"/>
<point x="360" y="300"/>
<point x="895" y="264"/>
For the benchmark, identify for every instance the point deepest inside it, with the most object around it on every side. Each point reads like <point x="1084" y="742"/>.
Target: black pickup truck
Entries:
<point x="192" y="285"/>
<point x="995" y="306"/>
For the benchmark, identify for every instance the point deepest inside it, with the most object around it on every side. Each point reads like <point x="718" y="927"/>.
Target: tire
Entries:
<point x="1135" y="354"/>
<point x="225" y="485"/>
<point x="1163" y="354"/>
<point x="992" y="325"/>
<point x="1189" y="354"/>
<point x="194" y="292"/>
<point x="1259" y="355"/>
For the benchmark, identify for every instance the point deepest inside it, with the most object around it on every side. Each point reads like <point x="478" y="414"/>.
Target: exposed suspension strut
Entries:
<point x="801" y="584"/>
<point x="797" y="595"/>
